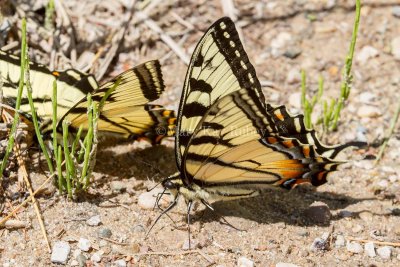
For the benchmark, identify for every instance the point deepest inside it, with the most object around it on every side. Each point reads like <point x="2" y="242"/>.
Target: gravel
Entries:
<point x="147" y="200"/>
<point x="120" y="263"/>
<point x="384" y="252"/>
<point x="96" y="257"/>
<point x="84" y="244"/>
<point x="354" y="247"/>
<point x="94" y="220"/>
<point x="105" y="233"/>
<point x="60" y="252"/>
<point x="318" y="212"/>
<point x="340" y="241"/>
<point x="244" y="262"/>
<point x="118" y="186"/>
<point x="81" y="259"/>
<point x="369" y="248"/>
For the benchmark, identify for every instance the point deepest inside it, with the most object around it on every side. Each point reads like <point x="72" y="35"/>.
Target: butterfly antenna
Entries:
<point x="162" y="213"/>
<point x="148" y="190"/>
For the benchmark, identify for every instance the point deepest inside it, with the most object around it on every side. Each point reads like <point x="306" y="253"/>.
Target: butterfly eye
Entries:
<point x="168" y="184"/>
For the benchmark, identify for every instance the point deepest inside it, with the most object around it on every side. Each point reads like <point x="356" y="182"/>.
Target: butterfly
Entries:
<point x="229" y="143"/>
<point x="126" y="112"/>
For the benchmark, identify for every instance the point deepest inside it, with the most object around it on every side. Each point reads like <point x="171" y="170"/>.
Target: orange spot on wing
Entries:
<point x="321" y="175"/>
<point x="288" y="143"/>
<point x="306" y="151"/>
<point x="271" y="140"/>
<point x="56" y="73"/>
<point x="279" y="115"/>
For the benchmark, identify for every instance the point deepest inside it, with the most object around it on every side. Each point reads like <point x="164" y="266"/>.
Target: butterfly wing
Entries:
<point x="72" y="85"/>
<point x="219" y="66"/>
<point x="126" y="112"/>
<point x="230" y="148"/>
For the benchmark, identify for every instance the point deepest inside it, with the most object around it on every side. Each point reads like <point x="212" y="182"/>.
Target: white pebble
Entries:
<point x="60" y="252"/>
<point x="396" y="47"/>
<point x="396" y="11"/>
<point x="383" y="183"/>
<point x="369" y="112"/>
<point x="94" y="220"/>
<point x="340" y="241"/>
<point x="120" y="263"/>
<point x="366" y="97"/>
<point x="293" y="76"/>
<point x="279" y="42"/>
<point x="244" y="262"/>
<point x="285" y="264"/>
<point x="370" y="249"/>
<point x="384" y="252"/>
<point x="147" y="200"/>
<point x="96" y="257"/>
<point x="295" y="100"/>
<point x="366" y="53"/>
<point x="354" y="247"/>
<point x="84" y="244"/>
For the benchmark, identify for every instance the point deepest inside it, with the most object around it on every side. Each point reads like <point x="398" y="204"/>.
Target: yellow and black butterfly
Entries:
<point x="229" y="143"/>
<point x="126" y="112"/>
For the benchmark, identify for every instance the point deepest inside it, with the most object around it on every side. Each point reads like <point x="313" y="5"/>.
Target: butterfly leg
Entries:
<point x="208" y="205"/>
<point x="173" y="204"/>
<point x="189" y="207"/>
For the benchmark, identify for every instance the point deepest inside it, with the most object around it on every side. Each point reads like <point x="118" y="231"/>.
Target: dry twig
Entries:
<point x="393" y="244"/>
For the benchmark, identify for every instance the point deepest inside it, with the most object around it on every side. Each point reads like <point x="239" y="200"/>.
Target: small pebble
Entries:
<point x="396" y="11"/>
<point x="318" y="212"/>
<point x="293" y="76"/>
<point x="84" y="244"/>
<point x="365" y="216"/>
<point x="74" y="263"/>
<point x="292" y="52"/>
<point x="366" y="97"/>
<point x="281" y="41"/>
<point x="147" y="200"/>
<point x="319" y="244"/>
<point x="357" y="228"/>
<point x="340" y="241"/>
<point x="396" y="47"/>
<point x="244" y="262"/>
<point x="295" y="100"/>
<point x="81" y="259"/>
<point x="120" y="263"/>
<point x="94" y="220"/>
<point x="303" y="233"/>
<point x="138" y="229"/>
<point x="354" y="247"/>
<point x="384" y="252"/>
<point x="367" y="111"/>
<point x="285" y="264"/>
<point x="193" y="244"/>
<point x="369" y="248"/>
<point x="96" y="257"/>
<point x="60" y="252"/>
<point x="118" y="186"/>
<point x="105" y="233"/>
<point x="366" y="53"/>
<point x="383" y="183"/>
<point x="345" y="214"/>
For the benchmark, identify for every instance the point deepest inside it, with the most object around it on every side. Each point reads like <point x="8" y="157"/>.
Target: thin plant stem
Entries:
<point x="11" y="140"/>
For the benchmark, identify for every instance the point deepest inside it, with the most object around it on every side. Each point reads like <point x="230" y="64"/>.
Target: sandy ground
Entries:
<point x="363" y="199"/>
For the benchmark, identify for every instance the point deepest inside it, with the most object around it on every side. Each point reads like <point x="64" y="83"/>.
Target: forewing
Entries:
<point x="219" y="66"/>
